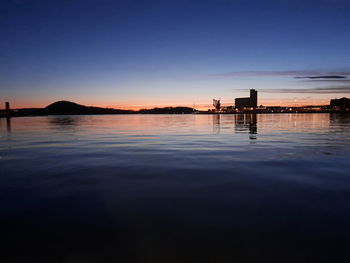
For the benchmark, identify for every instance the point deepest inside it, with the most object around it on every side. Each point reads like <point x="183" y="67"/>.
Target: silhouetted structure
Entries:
<point x="249" y="102"/>
<point x="8" y="113"/>
<point x="343" y="103"/>
<point x="217" y="104"/>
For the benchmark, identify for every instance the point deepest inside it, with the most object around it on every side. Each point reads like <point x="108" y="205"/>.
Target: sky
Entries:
<point x="141" y="54"/>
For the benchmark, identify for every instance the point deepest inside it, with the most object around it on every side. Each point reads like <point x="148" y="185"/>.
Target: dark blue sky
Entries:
<point x="132" y="53"/>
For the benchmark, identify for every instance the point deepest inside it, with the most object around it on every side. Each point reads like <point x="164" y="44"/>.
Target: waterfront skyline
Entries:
<point x="144" y="54"/>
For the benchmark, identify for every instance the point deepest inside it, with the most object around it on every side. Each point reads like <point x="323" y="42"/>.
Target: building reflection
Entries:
<point x="8" y="124"/>
<point x="244" y="123"/>
<point x="216" y="123"/>
<point x="247" y="123"/>
<point x="341" y="120"/>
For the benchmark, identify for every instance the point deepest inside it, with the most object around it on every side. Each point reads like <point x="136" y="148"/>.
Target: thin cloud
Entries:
<point x="321" y="90"/>
<point x="315" y="74"/>
<point x="322" y="77"/>
<point x="345" y="81"/>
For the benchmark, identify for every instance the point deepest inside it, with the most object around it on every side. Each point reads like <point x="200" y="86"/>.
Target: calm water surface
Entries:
<point x="176" y="188"/>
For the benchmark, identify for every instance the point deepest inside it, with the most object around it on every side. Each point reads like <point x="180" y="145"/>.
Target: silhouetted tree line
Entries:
<point x="167" y="110"/>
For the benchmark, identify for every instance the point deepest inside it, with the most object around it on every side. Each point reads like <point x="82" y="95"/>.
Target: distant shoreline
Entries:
<point x="71" y="108"/>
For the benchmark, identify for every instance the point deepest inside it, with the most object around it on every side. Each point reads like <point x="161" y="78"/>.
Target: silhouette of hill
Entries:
<point x="71" y="108"/>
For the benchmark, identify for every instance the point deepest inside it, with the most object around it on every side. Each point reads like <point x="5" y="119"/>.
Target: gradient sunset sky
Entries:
<point x="138" y="54"/>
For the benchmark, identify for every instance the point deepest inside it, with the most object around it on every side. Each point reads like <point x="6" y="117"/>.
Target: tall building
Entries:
<point x="343" y="103"/>
<point x="249" y="102"/>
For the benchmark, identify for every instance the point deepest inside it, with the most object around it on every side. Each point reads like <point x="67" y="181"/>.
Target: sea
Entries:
<point x="175" y="188"/>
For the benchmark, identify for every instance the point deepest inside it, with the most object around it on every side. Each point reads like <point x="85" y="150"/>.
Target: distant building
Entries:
<point x="217" y="104"/>
<point x="250" y="102"/>
<point x="343" y="103"/>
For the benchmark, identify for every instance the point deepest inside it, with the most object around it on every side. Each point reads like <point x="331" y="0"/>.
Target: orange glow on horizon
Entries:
<point x="137" y="106"/>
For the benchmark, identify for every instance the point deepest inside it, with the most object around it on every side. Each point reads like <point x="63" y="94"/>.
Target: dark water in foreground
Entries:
<point x="176" y="188"/>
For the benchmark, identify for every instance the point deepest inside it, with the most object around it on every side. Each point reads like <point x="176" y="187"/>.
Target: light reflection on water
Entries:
<point x="176" y="188"/>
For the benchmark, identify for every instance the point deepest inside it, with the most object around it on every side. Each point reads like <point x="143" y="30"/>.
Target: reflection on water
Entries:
<point x="176" y="188"/>
<point x="64" y="120"/>
<point x="340" y="121"/>
<point x="245" y="122"/>
<point x="216" y="123"/>
<point x="8" y="124"/>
